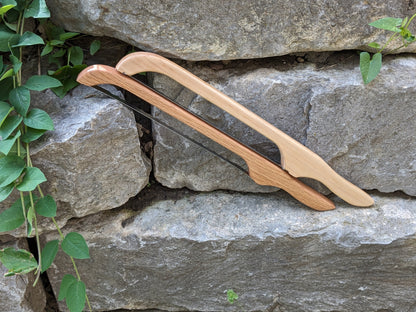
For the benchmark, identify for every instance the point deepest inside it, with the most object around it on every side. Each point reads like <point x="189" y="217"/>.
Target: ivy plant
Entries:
<point x="370" y="65"/>
<point x="66" y="57"/>
<point x="20" y="125"/>
<point x="231" y="296"/>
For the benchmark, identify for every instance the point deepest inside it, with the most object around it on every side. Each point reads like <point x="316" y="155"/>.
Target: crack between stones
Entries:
<point x="307" y="107"/>
<point x="275" y="306"/>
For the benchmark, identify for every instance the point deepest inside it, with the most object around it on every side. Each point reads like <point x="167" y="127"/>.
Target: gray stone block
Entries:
<point x="93" y="159"/>
<point x="217" y="30"/>
<point x="180" y="251"/>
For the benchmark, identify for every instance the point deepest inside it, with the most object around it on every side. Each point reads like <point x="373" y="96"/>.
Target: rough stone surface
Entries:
<point x="370" y="136"/>
<point x="217" y="30"/>
<point x="180" y="251"/>
<point x="366" y="133"/>
<point x="16" y="292"/>
<point x="93" y="159"/>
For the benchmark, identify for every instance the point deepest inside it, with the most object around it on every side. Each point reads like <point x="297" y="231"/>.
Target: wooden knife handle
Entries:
<point x="261" y="170"/>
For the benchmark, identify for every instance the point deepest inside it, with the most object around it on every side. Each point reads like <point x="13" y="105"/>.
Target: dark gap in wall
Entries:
<point x="154" y="193"/>
<point x="144" y="125"/>
<point x="31" y="241"/>
<point x="51" y="302"/>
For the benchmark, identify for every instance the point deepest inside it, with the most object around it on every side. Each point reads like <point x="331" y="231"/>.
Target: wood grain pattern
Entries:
<point x="261" y="170"/>
<point x="297" y="159"/>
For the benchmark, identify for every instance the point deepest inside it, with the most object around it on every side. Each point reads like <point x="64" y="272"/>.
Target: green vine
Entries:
<point x="370" y="66"/>
<point x="20" y="125"/>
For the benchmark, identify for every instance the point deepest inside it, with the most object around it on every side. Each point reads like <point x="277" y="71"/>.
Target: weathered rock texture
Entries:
<point x="217" y="30"/>
<point x="366" y="133"/>
<point x="93" y="159"/>
<point x="181" y="251"/>
<point x="16" y="292"/>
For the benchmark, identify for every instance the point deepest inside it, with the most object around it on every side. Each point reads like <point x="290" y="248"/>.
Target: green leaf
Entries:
<point x="67" y="35"/>
<point x="411" y="39"/>
<point x="48" y="254"/>
<point x="38" y="119"/>
<point x="59" y="53"/>
<point x="76" y="55"/>
<point x="46" y="207"/>
<point x="16" y="63"/>
<point x="11" y="167"/>
<point x="75" y="296"/>
<point x="6" y="86"/>
<point x="75" y="246"/>
<point x="388" y="23"/>
<point x="46" y="49"/>
<point x="66" y="282"/>
<point x="20" y="99"/>
<point x="6" y="145"/>
<point x="407" y="35"/>
<point x="14" y="40"/>
<point x="6" y="8"/>
<point x="67" y="75"/>
<point x="43" y="82"/>
<point x="28" y="39"/>
<point x="32" y="178"/>
<point x="37" y="9"/>
<point x="32" y="135"/>
<point x="6" y="35"/>
<point x="5" y="191"/>
<point x="231" y="296"/>
<point x="370" y="67"/>
<point x="5" y="110"/>
<point x="9" y="125"/>
<point x="29" y="220"/>
<point x="12" y="218"/>
<point x="14" y="152"/>
<point x="17" y="261"/>
<point x="7" y="74"/>
<point x="55" y="42"/>
<point x="95" y="46"/>
<point x="11" y="26"/>
<point x="9" y="2"/>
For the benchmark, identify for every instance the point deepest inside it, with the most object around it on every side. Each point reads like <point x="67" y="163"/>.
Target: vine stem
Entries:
<point x="39" y="269"/>
<point x="32" y="206"/>
<point x="61" y="235"/>
<point x="22" y="197"/>
<point x="21" y="26"/>
<point x="388" y="41"/>
<point x="408" y="23"/>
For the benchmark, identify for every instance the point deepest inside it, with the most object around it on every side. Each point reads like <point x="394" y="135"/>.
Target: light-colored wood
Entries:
<point x="261" y="170"/>
<point x="297" y="159"/>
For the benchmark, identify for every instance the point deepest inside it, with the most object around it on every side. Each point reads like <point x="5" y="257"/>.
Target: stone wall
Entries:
<point x="213" y="30"/>
<point x="203" y="227"/>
